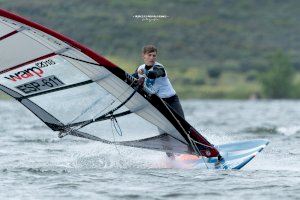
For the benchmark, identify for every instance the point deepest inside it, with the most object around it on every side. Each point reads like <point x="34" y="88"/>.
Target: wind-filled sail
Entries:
<point x="78" y="92"/>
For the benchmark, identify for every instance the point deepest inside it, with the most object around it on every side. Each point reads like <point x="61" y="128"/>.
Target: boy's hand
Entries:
<point x="141" y="81"/>
<point x="141" y="71"/>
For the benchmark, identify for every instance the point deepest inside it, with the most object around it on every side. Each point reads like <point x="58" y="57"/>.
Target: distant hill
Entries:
<point x="195" y="38"/>
<point x="238" y="35"/>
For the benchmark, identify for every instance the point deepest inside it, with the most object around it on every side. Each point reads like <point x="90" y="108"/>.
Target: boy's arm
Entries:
<point x="135" y="74"/>
<point x="158" y="71"/>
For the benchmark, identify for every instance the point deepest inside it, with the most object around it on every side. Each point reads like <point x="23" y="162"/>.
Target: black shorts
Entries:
<point x="174" y="103"/>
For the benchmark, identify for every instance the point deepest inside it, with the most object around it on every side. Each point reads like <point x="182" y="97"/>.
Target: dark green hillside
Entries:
<point x="235" y="37"/>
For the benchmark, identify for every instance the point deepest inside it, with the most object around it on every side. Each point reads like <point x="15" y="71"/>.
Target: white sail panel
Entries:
<point x="67" y="105"/>
<point x="45" y="74"/>
<point x="137" y="129"/>
<point x="4" y="29"/>
<point x="11" y="23"/>
<point x="21" y="45"/>
<point x="94" y="72"/>
<point x="45" y="39"/>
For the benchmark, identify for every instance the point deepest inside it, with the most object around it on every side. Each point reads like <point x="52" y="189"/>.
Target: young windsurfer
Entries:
<point x="158" y="78"/>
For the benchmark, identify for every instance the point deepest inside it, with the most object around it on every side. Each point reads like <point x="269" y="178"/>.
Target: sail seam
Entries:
<point x="56" y="89"/>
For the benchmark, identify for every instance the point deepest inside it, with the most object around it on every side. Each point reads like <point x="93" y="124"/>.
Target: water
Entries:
<point x="35" y="164"/>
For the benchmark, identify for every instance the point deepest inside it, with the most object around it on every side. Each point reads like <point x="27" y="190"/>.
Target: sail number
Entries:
<point x="39" y="85"/>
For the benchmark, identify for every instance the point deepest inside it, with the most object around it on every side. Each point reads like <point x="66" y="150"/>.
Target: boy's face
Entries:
<point x="149" y="58"/>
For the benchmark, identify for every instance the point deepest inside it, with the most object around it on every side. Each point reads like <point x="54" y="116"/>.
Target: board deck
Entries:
<point x="236" y="155"/>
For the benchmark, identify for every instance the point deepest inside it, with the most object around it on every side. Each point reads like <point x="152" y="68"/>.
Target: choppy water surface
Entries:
<point x="35" y="164"/>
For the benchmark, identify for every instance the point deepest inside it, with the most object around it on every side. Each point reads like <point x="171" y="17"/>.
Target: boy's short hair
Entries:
<point x="149" y="49"/>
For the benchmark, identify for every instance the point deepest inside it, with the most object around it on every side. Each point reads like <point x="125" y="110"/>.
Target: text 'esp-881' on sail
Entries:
<point x="75" y="91"/>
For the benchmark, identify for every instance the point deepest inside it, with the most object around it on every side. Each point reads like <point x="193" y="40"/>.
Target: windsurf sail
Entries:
<point x="76" y="91"/>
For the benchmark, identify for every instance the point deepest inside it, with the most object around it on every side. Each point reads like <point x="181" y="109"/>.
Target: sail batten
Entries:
<point x="56" y="89"/>
<point x="8" y="35"/>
